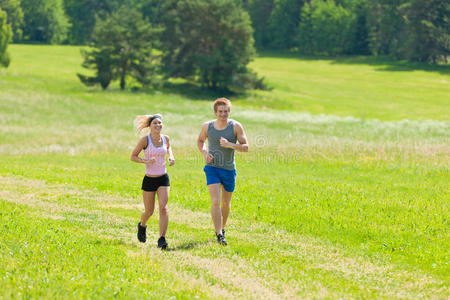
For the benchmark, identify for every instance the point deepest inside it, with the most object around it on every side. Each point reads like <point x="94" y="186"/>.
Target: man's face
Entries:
<point x="222" y="112"/>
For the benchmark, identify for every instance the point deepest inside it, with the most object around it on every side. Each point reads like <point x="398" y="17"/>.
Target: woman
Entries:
<point x="156" y="180"/>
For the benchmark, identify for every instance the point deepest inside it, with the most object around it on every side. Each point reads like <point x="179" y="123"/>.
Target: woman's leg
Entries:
<point x="149" y="206"/>
<point x="163" y="199"/>
<point x="216" y="214"/>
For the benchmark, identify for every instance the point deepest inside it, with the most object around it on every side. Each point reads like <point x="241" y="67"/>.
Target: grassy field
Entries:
<point x="344" y="193"/>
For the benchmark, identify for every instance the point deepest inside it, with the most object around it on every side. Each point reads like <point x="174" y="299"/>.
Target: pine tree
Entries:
<point x="207" y="40"/>
<point x="14" y="17"/>
<point x="5" y="38"/>
<point x="45" y="21"/>
<point x="428" y="35"/>
<point x="122" y="46"/>
<point x="283" y="24"/>
<point x="260" y="11"/>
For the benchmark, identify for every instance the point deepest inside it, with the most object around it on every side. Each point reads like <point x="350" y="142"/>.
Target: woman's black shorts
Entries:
<point x="151" y="184"/>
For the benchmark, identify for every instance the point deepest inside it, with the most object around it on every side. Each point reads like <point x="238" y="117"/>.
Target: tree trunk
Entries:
<point x="122" y="76"/>
<point x="122" y="81"/>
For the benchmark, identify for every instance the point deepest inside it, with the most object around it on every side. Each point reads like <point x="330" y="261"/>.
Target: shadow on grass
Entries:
<point x="188" y="245"/>
<point x="382" y="63"/>
<point x="196" y="92"/>
<point x="186" y="90"/>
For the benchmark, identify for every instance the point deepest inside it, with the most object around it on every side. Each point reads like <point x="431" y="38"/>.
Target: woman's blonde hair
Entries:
<point x="142" y="123"/>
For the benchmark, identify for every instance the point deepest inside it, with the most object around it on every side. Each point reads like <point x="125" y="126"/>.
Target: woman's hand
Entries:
<point x="171" y="161"/>
<point x="149" y="161"/>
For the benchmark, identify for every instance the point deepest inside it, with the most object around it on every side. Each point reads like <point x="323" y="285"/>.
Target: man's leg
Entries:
<point x="226" y="205"/>
<point x="216" y="214"/>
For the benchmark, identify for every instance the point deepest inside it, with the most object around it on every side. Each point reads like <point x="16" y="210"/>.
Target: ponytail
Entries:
<point x="142" y="123"/>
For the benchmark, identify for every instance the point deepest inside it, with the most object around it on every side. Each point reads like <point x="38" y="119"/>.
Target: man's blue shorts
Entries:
<point x="217" y="175"/>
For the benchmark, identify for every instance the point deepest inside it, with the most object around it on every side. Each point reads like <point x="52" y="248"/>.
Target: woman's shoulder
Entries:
<point x="144" y="141"/>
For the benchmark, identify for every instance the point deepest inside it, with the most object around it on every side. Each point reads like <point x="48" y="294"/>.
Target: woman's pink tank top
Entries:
<point x="159" y="153"/>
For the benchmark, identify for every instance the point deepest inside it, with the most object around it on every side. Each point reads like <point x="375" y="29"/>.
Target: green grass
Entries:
<point x="361" y="87"/>
<point x="343" y="195"/>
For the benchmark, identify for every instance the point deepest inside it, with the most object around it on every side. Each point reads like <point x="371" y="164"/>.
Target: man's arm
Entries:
<point x="201" y="143"/>
<point x="241" y="137"/>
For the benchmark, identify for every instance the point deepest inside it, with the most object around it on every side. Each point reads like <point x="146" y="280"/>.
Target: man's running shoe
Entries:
<point x="221" y="239"/>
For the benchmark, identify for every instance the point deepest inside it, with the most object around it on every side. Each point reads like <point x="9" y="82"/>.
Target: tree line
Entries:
<point x="418" y="30"/>
<point x="212" y="41"/>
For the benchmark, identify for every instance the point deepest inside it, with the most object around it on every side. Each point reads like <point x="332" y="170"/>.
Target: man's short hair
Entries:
<point x="222" y="101"/>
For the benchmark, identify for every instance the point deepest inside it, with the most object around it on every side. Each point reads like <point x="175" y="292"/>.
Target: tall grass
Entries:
<point x="330" y="202"/>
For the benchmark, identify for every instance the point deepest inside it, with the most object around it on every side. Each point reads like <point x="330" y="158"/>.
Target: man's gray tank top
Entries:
<point x="223" y="157"/>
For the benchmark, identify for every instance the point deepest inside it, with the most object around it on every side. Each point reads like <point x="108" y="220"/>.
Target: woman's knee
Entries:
<point x="148" y="213"/>
<point x="164" y="211"/>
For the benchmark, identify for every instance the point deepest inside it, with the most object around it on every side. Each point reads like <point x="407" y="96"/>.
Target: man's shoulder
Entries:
<point x="236" y="123"/>
<point x="206" y="124"/>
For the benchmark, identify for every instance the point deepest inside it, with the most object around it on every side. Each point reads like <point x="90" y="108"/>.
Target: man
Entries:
<point x="220" y="169"/>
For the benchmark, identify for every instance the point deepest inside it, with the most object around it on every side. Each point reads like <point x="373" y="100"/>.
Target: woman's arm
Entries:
<point x="137" y="150"/>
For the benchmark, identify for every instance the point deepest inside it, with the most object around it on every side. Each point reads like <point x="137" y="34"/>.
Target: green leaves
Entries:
<point x="15" y="17"/>
<point x="206" y="41"/>
<point x="45" y="21"/>
<point x="122" y="46"/>
<point x="5" y="37"/>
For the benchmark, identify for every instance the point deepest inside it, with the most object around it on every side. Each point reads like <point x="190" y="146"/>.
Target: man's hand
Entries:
<point x="224" y="143"/>
<point x="208" y="157"/>
<point x="171" y="161"/>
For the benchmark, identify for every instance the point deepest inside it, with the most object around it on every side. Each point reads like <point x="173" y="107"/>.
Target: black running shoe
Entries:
<point x="141" y="235"/>
<point x="162" y="243"/>
<point x="221" y="239"/>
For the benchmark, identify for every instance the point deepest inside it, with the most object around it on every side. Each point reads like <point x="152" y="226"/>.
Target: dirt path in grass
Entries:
<point x="261" y="262"/>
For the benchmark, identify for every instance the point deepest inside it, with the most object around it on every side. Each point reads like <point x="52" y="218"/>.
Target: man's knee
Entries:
<point x="215" y="203"/>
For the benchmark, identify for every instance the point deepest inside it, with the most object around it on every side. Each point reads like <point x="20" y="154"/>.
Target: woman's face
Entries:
<point x="222" y="112"/>
<point x="156" y="125"/>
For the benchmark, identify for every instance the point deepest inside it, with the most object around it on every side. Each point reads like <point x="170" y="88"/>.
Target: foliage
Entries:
<point x="102" y="62"/>
<point x="150" y="9"/>
<point x="386" y="26"/>
<point x="283" y="24"/>
<point x="360" y="42"/>
<point x="45" y="21"/>
<point x="260" y="11"/>
<point x="208" y="41"/>
<point x="5" y="37"/>
<point x="123" y="44"/>
<point x="428" y="34"/>
<point x="326" y="28"/>
<point x="81" y="14"/>
<point x="15" y="17"/>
